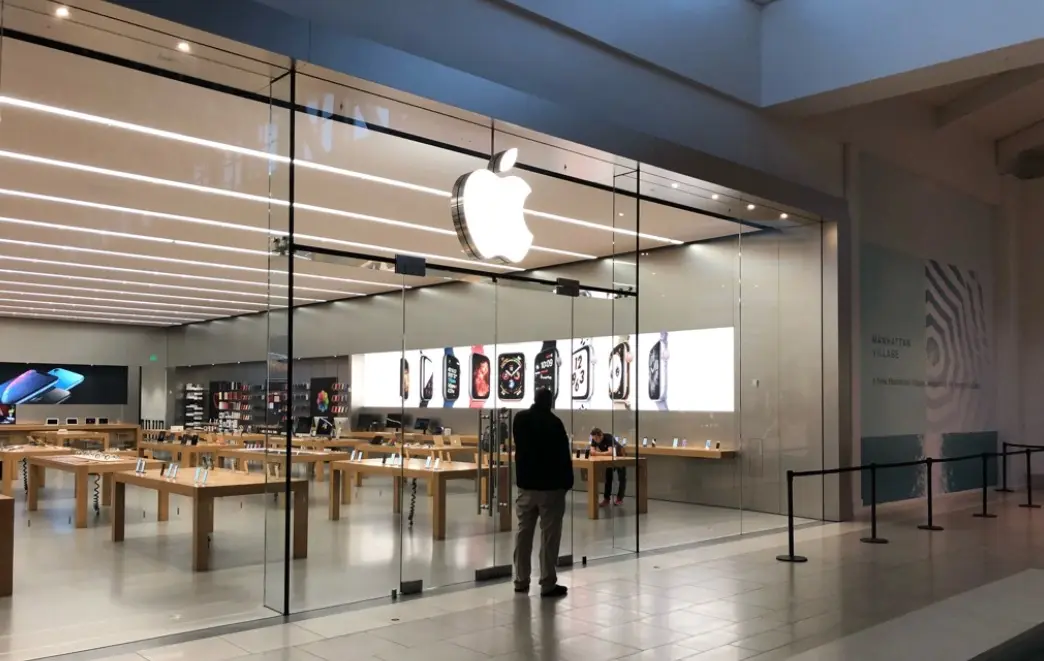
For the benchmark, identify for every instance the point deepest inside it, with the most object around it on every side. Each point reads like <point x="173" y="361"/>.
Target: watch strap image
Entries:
<point x="478" y="403"/>
<point x="624" y="404"/>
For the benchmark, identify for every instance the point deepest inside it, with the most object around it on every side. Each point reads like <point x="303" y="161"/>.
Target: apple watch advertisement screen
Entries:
<point x="480" y="377"/>
<point x="696" y="374"/>
<point x="511" y="368"/>
<point x="22" y="383"/>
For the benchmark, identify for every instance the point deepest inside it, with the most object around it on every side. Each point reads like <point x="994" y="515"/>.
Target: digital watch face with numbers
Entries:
<point x="619" y="373"/>
<point x="581" y="374"/>
<point x="511" y="376"/>
<point x="427" y="378"/>
<point x="450" y="378"/>
<point x="656" y="372"/>
<point x="545" y="371"/>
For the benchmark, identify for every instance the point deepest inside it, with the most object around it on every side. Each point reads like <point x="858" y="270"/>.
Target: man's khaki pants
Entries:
<point x="549" y="507"/>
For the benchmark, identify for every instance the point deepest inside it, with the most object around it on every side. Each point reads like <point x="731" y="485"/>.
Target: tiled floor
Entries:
<point x="76" y="589"/>
<point x="943" y="596"/>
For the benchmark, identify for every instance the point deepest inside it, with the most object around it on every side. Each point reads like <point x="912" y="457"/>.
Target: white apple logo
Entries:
<point x="487" y="211"/>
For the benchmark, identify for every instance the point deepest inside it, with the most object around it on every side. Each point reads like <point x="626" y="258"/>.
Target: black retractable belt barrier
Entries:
<point x="873" y="538"/>
<point x="790" y="557"/>
<point x="1004" y="470"/>
<point x="1029" y="482"/>
<point x="984" y="514"/>
<point x="928" y="489"/>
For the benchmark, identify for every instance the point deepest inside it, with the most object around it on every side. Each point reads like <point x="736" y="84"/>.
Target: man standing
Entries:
<point x="544" y="474"/>
<point x="605" y="445"/>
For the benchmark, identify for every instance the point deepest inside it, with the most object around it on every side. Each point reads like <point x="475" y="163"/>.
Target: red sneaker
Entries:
<point x="618" y="502"/>
<point x="604" y="503"/>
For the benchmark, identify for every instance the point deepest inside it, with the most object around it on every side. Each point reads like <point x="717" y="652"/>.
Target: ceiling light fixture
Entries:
<point x="150" y="285"/>
<point x="783" y="216"/>
<point x="168" y="318"/>
<point x="674" y="185"/>
<point x="256" y="153"/>
<point x="184" y="47"/>
<point x="714" y="196"/>
<point x="202" y="308"/>
<point x="376" y="248"/>
<point x="596" y="226"/>
<point x="173" y="314"/>
<point x="71" y="316"/>
<point x="62" y="12"/>
<point x="750" y="207"/>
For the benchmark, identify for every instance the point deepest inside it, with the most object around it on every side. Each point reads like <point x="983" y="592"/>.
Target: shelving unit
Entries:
<point x="230" y="405"/>
<point x="193" y="409"/>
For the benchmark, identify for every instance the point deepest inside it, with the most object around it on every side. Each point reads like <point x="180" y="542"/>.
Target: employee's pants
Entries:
<point x="549" y="508"/>
<point x="608" y="490"/>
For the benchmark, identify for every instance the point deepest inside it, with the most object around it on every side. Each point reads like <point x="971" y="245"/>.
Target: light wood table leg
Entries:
<point x="346" y="487"/>
<point x="336" y="477"/>
<point x="300" y="523"/>
<point x="319" y="471"/>
<point x="9" y="468"/>
<point x="438" y="506"/>
<point x="397" y="496"/>
<point x="119" y="514"/>
<point x="106" y="494"/>
<point x="6" y="547"/>
<point x="81" y="498"/>
<point x="162" y="505"/>
<point x="593" y="476"/>
<point x="202" y="526"/>
<point x="43" y="477"/>
<point x="34" y="487"/>
<point x="643" y="487"/>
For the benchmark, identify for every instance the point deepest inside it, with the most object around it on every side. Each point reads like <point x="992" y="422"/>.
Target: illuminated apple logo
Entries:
<point x="487" y="211"/>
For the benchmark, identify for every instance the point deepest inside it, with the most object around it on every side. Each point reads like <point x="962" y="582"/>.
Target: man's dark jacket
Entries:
<point x="543" y="457"/>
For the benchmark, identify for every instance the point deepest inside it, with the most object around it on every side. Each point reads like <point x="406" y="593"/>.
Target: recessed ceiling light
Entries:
<point x="184" y="47"/>
<point x="202" y="309"/>
<point x="621" y="213"/>
<point x="783" y="216"/>
<point x="750" y="207"/>
<point x="118" y="292"/>
<point x="62" y="12"/>
<point x="68" y="315"/>
<point x="167" y="317"/>
<point x="674" y="185"/>
<point x="714" y="196"/>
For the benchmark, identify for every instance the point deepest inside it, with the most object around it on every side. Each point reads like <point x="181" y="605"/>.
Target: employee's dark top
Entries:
<point x="606" y="443"/>
<point x="542" y="458"/>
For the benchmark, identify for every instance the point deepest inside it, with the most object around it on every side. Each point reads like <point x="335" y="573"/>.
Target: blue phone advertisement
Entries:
<point x="22" y="383"/>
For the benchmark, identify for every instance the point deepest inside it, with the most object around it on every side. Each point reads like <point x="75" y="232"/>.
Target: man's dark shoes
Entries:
<point x="521" y="589"/>
<point x="555" y="592"/>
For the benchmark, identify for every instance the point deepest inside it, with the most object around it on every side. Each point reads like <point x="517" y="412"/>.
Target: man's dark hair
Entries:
<point x="543" y="398"/>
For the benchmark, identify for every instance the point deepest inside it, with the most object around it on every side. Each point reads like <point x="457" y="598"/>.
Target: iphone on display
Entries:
<point x="404" y="378"/>
<point x="511" y="376"/>
<point x="26" y="386"/>
<point x="427" y="379"/>
<point x="581" y="372"/>
<point x="480" y="376"/>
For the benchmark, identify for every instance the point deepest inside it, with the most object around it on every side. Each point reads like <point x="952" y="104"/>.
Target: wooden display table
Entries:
<point x="409" y="437"/>
<point x="6" y="546"/>
<point x="220" y="483"/>
<point x="277" y="457"/>
<point x="82" y="467"/>
<point x="10" y="455"/>
<point x="19" y="433"/>
<point x="341" y="492"/>
<point x="595" y="467"/>
<point x="690" y="452"/>
<point x="186" y="455"/>
<point x="66" y="438"/>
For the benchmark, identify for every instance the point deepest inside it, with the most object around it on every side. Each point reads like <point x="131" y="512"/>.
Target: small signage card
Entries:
<point x="675" y="443"/>
<point x="139" y="467"/>
<point x="437" y="462"/>
<point x="427" y="462"/>
<point x="708" y="446"/>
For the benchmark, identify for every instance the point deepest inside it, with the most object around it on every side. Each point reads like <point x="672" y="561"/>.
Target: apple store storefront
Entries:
<point x="382" y="283"/>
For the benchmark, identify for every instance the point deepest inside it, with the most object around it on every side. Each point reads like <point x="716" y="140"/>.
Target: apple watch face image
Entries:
<point x="450" y="378"/>
<point x="427" y="378"/>
<point x="545" y="371"/>
<point x="581" y="376"/>
<point x="480" y="376"/>
<point x="511" y="376"/>
<point x="657" y="373"/>
<point x="404" y="378"/>
<point x="619" y="372"/>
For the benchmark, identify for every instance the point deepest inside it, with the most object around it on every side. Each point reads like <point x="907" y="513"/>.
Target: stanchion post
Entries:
<point x="984" y="514"/>
<point x="1004" y="470"/>
<point x="1029" y="482"/>
<point x="790" y="557"/>
<point x="928" y="487"/>
<point x="873" y="538"/>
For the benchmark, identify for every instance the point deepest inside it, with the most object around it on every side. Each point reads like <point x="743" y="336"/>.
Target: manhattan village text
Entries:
<point x="888" y="346"/>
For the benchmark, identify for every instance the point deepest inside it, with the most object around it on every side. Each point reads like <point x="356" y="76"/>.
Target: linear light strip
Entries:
<point x="172" y="314"/>
<point x="370" y="246"/>
<point x="256" y="153"/>
<point x="88" y="312"/>
<point x="185" y="276"/>
<point x="97" y="299"/>
<point x="71" y="316"/>
<point x="151" y="285"/>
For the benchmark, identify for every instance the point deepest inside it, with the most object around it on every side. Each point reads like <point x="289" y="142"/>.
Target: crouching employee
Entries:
<point x="544" y="474"/>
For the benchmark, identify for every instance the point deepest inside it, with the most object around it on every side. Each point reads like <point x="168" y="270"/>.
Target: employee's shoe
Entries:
<point x="618" y="502"/>
<point x="555" y="592"/>
<point x="604" y="503"/>
<point x="522" y="588"/>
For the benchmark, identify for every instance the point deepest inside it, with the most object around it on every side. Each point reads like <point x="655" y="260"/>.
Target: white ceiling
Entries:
<point x="132" y="198"/>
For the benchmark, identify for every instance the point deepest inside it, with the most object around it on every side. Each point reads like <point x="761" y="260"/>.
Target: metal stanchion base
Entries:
<point x="791" y="558"/>
<point x="928" y="527"/>
<point x="1032" y="506"/>
<point x="984" y="515"/>
<point x="874" y="540"/>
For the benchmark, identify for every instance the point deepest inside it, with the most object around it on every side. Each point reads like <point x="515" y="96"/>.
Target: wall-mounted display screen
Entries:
<point x="690" y="370"/>
<point x="34" y="383"/>
<point x="7" y="414"/>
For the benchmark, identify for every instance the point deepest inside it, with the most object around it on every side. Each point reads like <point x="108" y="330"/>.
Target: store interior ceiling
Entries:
<point x="132" y="198"/>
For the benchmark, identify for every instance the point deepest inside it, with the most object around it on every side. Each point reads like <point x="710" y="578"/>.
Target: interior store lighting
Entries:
<point x="256" y="153"/>
<point x="184" y="47"/>
<point x="72" y="316"/>
<point x="167" y="318"/>
<point x="114" y="309"/>
<point x="751" y="207"/>
<point x="714" y="196"/>
<point x="62" y="12"/>
<point x="197" y="309"/>
<point x="150" y="285"/>
<point x="783" y="216"/>
<point x="184" y="276"/>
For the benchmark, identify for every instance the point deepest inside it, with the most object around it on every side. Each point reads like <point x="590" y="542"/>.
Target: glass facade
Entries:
<point x="291" y="228"/>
